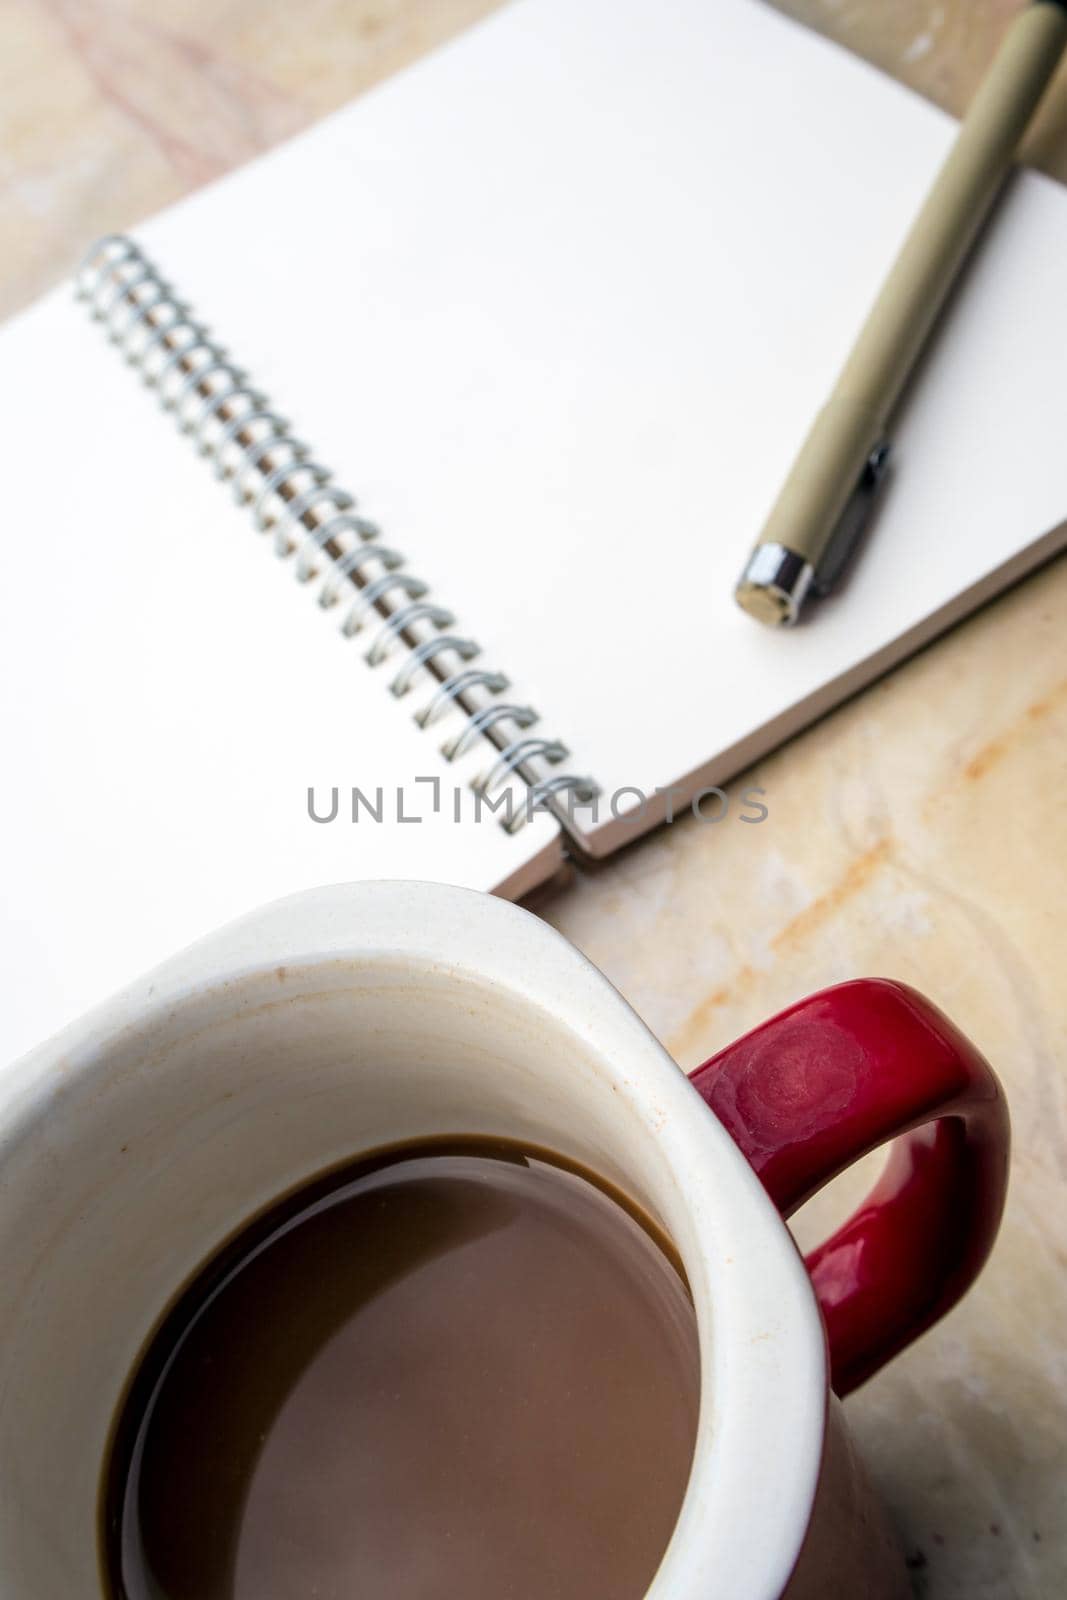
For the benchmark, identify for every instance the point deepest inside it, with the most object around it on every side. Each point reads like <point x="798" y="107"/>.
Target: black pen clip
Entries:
<point x="852" y="521"/>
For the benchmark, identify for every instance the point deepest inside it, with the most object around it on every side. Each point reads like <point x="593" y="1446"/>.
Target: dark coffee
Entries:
<point x="456" y="1369"/>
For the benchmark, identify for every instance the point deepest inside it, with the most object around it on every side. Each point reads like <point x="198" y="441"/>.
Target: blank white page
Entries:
<point x="168" y="695"/>
<point x="561" y="301"/>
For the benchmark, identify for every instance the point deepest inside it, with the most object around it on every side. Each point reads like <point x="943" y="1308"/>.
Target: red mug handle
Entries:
<point x="812" y="1090"/>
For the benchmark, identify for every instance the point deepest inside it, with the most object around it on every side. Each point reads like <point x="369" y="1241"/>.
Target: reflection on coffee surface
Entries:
<point x="456" y="1369"/>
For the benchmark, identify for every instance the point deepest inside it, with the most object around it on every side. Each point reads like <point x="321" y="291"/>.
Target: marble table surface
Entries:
<point x="920" y="832"/>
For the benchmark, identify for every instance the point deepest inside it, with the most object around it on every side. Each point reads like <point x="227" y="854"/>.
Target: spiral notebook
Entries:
<point x="557" y="305"/>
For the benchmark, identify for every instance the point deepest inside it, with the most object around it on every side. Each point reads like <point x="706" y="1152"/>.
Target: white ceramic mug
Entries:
<point x="340" y="1021"/>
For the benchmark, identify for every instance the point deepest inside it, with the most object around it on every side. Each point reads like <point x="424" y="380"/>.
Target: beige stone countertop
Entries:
<point x="920" y="832"/>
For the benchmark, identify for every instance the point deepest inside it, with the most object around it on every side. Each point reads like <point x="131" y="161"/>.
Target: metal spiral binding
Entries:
<point x="294" y="498"/>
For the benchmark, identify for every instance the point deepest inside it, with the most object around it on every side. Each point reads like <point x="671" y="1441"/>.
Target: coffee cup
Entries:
<point x="358" y="1017"/>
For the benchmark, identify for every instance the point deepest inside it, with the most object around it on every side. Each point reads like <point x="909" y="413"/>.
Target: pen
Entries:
<point x="818" y="516"/>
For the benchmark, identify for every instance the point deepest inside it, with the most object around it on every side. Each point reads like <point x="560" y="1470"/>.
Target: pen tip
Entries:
<point x="769" y="606"/>
<point x="773" y="585"/>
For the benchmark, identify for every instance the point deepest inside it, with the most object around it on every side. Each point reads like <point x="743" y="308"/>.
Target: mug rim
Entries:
<point x="764" y="1382"/>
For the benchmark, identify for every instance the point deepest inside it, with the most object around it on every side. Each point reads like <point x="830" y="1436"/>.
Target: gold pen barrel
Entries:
<point x="835" y="454"/>
<point x="955" y="209"/>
